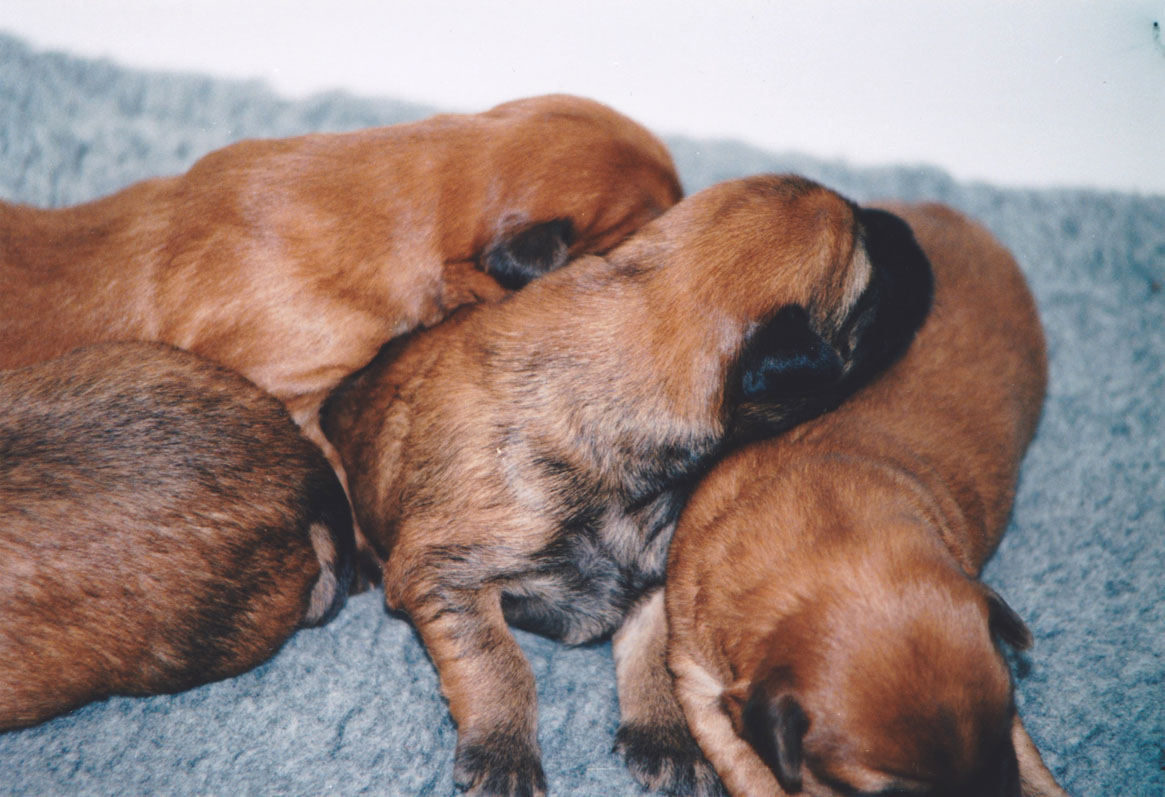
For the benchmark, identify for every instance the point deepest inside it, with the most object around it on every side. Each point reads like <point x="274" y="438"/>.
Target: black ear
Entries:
<point x="519" y="257"/>
<point x="895" y="303"/>
<point x="1005" y="623"/>
<point x="787" y="359"/>
<point x="775" y="729"/>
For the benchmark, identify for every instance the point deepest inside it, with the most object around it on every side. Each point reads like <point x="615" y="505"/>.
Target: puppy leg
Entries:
<point x="1035" y="779"/>
<point x="741" y="770"/>
<point x="653" y="736"/>
<point x="366" y="562"/>
<point x="490" y="689"/>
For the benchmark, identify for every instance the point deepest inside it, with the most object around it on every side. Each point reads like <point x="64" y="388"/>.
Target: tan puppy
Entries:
<point x="162" y="524"/>
<point x="526" y="461"/>
<point x="828" y="633"/>
<point x="293" y="260"/>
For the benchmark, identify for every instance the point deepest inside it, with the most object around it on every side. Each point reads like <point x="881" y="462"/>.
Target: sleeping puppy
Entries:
<point x="829" y="635"/>
<point x="293" y="260"/>
<point x="526" y="461"/>
<point x="163" y="524"/>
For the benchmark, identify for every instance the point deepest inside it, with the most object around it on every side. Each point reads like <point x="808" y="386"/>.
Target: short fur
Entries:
<point x="292" y="260"/>
<point x="526" y="461"/>
<point x="828" y="633"/>
<point x="163" y="523"/>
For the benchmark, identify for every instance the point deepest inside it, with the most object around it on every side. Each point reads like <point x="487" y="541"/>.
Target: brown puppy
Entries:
<point x="160" y="519"/>
<point x="828" y="633"/>
<point x="526" y="461"/>
<point x="293" y="260"/>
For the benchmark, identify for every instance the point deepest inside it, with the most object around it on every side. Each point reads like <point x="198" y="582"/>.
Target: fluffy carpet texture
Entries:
<point x="354" y="707"/>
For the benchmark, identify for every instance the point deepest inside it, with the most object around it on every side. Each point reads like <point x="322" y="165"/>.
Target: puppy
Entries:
<point x="526" y="461"/>
<point x="162" y="524"/>
<point x="293" y="260"/>
<point x="828" y="633"/>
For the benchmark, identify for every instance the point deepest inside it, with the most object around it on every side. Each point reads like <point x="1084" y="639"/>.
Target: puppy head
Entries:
<point x="568" y="176"/>
<point x="816" y="294"/>
<point x="887" y="694"/>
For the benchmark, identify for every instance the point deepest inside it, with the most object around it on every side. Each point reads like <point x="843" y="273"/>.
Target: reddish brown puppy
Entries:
<point x="526" y="461"/>
<point x="163" y="524"/>
<point x="293" y="260"/>
<point x="828" y="633"/>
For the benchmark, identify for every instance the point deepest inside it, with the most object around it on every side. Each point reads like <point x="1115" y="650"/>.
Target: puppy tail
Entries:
<point x="334" y="542"/>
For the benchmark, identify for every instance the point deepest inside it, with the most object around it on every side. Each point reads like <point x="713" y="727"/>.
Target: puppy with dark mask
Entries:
<point x="828" y="634"/>
<point x="526" y="461"/>
<point x="163" y="523"/>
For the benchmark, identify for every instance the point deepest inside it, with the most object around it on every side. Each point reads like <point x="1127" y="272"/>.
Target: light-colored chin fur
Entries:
<point x="701" y="694"/>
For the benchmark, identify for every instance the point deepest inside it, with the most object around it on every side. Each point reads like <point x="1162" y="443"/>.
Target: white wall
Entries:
<point x="1019" y="92"/>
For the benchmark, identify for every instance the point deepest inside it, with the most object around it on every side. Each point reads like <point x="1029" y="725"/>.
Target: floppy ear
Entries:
<point x="896" y="302"/>
<point x="1005" y="623"/>
<point x="775" y="728"/>
<point x="786" y="358"/>
<point x="519" y="257"/>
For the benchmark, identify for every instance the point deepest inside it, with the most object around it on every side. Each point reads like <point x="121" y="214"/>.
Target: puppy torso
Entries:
<point x="570" y="533"/>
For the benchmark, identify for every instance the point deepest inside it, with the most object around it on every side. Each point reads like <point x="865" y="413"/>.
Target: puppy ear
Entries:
<point x="895" y="303"/>
<point x="519" y="257"/>
<point x="775" y="728"/>
<point x="786" y="358"/>
<point x="1005" y="623"/>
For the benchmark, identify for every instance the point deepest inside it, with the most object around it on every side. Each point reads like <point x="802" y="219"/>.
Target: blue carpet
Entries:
<point x="354" y="707"/>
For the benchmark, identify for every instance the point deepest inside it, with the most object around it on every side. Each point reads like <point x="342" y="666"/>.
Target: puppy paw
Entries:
<point x="499" y="765"/>
<point x="666" y="758"/>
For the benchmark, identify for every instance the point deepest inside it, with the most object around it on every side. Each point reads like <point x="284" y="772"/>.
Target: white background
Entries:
<point x="1023" y="92"/>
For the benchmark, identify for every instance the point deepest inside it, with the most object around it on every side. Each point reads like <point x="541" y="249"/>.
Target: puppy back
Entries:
<point x="200" y="527"/>
<point x="969" y="393"/>
<point x="987" y="326"/>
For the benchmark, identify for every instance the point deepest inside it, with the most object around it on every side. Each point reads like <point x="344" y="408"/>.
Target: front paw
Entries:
<point x="666" y="758"/>
<point x="499" y="764"/>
